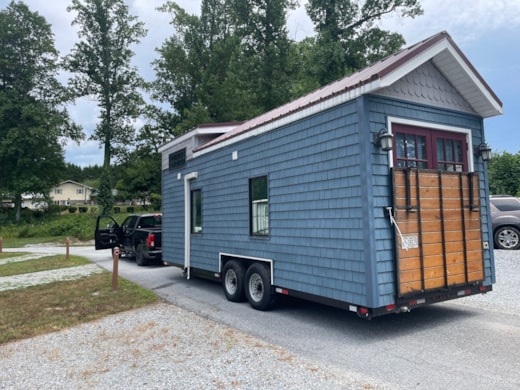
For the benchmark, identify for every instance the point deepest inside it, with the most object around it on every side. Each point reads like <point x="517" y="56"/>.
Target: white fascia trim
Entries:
<point x="178" y="140"/>
<point x="435" y="126"/>
<point x="313" y="109"/>
<point x="194" y="133"/>
<point x="491" y="100"/>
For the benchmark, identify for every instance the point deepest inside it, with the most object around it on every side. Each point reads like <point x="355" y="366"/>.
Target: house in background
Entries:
<point x="70" y="192"/>
<point x="32" y="201"/>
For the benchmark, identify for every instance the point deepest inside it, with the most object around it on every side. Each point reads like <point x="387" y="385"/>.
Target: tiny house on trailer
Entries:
<point x="369" y="194"/>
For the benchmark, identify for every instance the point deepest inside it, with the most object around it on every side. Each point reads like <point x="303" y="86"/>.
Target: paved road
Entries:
<point x="472" y="343"/>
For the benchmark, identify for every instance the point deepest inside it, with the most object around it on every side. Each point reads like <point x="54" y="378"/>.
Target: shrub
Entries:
<point x="54" y="209"/>
<point x="83" y="209"/>
<point x="130" y="210"/>
<point x="117" y="210"/>
<point x="38" y="214"/>
<point x="72" y="209"/>
<point x="25" y="232"/>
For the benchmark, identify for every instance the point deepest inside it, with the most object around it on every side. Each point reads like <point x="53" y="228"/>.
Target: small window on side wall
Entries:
<point x="259" y="206"/>
<point x="177" y="159"/>
<point x="196" y="211"/>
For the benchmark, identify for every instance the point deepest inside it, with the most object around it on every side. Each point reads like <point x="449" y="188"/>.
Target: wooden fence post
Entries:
<point x="115" y="268"/>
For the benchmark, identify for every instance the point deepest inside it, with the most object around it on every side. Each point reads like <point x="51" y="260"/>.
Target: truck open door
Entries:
<point x="108" y="233"/>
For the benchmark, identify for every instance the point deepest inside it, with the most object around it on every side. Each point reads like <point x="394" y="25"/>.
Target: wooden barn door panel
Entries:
<point x="440" y="240"/>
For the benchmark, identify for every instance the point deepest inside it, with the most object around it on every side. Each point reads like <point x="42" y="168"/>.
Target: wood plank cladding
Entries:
<point x="438" y="215"/>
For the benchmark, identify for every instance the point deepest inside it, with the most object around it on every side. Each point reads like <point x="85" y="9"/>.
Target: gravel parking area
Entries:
<point x="163" y="346"/>
<point x="44" y="277"/>
<point x="504" y="297"/>
<point x="160" y="347"/>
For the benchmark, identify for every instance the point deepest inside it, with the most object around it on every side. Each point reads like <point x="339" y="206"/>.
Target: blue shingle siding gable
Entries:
<point x="427" y="86"/>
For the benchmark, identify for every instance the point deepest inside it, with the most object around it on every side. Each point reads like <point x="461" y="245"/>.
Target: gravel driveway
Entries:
<point x="163" y="346"/>
<point x="160" y="346"/>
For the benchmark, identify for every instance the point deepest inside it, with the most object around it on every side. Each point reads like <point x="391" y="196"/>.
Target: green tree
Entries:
<point x="347" y="37"/>
<point x="101" y="64"/>
<point x="140" y="176"/>
<point x="262" y="28"/>
<point x="192" y="67"/>
<point x="504" y="174"/>
<point x="33" y="120"/>
<point x="229" y="64"/>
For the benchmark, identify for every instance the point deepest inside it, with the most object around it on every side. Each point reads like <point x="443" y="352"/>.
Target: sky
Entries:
<point x="487" y="32"/>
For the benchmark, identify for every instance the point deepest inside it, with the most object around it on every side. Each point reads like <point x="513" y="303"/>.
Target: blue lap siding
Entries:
<point x="328" y="188"/>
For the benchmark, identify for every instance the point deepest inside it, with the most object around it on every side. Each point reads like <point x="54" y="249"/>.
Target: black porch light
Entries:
<point x="384" y="139"/>
<point x="484" y="151"/>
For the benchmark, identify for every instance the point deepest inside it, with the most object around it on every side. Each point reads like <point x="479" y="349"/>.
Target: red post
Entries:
<point x="67" y="252"/>
<point x="115" y="268"/>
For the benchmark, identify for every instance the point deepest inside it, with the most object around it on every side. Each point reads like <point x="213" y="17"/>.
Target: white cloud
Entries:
<point x="465" y="20"/>
<point x="85" y="154"/>
<point x="486" y="31"/>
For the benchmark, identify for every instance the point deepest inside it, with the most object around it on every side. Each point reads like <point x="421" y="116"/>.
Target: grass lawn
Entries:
<point x="32" y="311"/>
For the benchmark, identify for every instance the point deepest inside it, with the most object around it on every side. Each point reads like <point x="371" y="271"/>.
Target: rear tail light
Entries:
<point x="151" y="241"/>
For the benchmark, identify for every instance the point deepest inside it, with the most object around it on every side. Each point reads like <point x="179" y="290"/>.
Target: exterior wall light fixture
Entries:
<point x="484" y="151"/>
<point x="383" y="139"/>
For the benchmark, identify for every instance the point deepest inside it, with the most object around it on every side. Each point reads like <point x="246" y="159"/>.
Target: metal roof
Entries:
<point x="439" y="48"/>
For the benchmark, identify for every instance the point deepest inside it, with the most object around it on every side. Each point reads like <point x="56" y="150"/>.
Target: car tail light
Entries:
<point x="151" y="241"/>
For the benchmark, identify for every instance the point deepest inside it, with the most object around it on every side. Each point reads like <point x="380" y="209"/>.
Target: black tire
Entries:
<point x="507" y="237"/>
<point x="140" y="259"/>
<point x="258" y="289"/>
<point x="233" y="277"/>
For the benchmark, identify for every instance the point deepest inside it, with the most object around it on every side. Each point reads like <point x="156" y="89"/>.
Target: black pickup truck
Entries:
<point x="138" y="236"/>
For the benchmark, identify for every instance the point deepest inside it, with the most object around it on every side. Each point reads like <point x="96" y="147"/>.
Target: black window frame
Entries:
<point x="196" y="211"/>
<point x="177" y="159"/>
<point x="259" y="225"/>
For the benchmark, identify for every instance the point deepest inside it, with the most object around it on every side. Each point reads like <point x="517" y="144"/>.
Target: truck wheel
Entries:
<point x="139" y="255"/>
<point x="258" y="287"/>
<point x="507" y="237"/>
<point x="233" y="276"/>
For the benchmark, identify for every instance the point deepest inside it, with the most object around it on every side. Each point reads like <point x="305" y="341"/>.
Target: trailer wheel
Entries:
<point x="139" y="255"/>
<point x="258" y="287"/>
<point x="507" y="237"/>
<point x="233" y="276"/>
